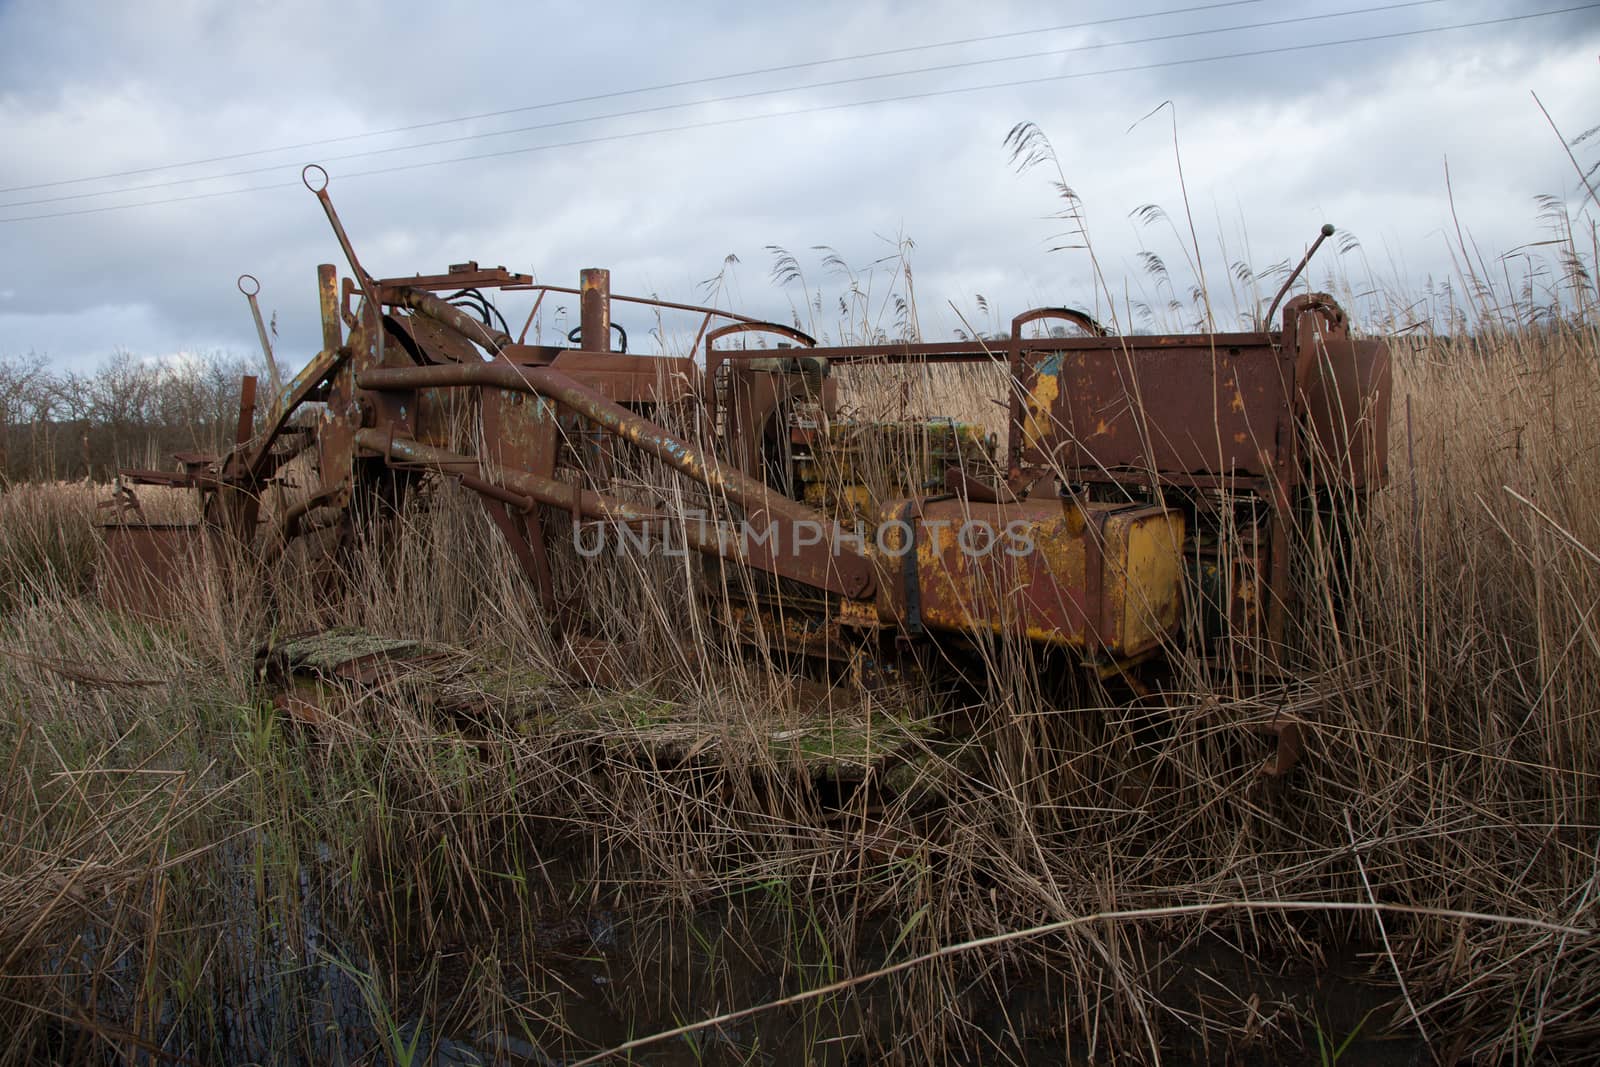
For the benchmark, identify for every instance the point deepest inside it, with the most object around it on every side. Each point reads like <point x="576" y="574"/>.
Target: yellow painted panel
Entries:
<point x="1144" y="576"/>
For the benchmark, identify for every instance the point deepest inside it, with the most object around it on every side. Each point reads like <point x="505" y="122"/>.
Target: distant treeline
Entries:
<point x="67" y="426"/>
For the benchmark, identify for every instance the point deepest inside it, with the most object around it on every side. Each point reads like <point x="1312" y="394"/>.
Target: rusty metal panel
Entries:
<point x="1035" y="581"/>
<point x="1141" y="590"/>
<point x="341" y="414"/>
<point x="519" y="430"/>
<point x="1346" y="398"/>
<point x="433" y="341"/>
<point x="1099" y="577"/>
<point x="630" y="379"/>
<point x="1157" y="404"/>
<point x="149" y="569"/>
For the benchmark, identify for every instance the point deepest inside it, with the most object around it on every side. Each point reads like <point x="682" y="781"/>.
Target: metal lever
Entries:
<point x="261" y="330"/>
<point x="1327" y="232"/>
<point x="368" y="289"/>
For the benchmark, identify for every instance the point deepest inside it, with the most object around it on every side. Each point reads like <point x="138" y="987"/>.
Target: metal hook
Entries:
<point x="253" y="280"/>
<point x="305" y="177"/>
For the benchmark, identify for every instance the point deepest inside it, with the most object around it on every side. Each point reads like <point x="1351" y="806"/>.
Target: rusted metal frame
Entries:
<point x="1013" y="466"/>
<point x="245" y="428"/>
<point x="347" y="289"/>
<point x="909" y="514"/>
<point x="999" y="351"/>
<point x="498" y="493"/>
<point x="1144" y="476"/>
<point x="702" y="538"/>
<point x="533" y="559"/>
<point x="1128" y="380"/>
<point x="274" y="379"/>
<point x="894" y="355"/>
<point x="626" y="378"/>
<point x="715" y="359"/>
<point x="647" y="301"/>
<point x="824" y="564"/>
<point x="804" y="340"/>
<point x="1289" y="474"/>
<point x="1018" y="348"/>
<point x="1280" y="499"/>
<point x="446" y="314"/>
<point x="1094" y="577"/>
<point x="149" y="567"/>
<point x="299" y="390"/>
<point x="289" y="523"/>
<point x="1157" y="419"/>
<point x="705" y="324"/>
<point x="1081" y="319"/>
<point x="1282" y="600"/>
<point x="736" y="486"/>
<point x="528" y="524"/>
<point x="231" y="505"/>
<point x="369" y="288"/>
<point x="461" y="276"/>
<point x="172" y="479"/>
<point x="529" y="550"/>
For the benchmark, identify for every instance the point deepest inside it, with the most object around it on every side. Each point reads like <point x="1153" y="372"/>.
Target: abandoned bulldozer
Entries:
<point x="1138" y="502"/>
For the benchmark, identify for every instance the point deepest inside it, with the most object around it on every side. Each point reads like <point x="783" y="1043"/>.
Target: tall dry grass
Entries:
<point x="188" y="876"/>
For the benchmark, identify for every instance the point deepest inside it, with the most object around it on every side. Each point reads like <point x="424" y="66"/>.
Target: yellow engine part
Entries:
<point x="1106" y="579"/>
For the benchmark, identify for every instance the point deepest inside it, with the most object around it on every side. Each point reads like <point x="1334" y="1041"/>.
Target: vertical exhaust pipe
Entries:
<point x="328" y="298"/>
<point x="595" y="285"/>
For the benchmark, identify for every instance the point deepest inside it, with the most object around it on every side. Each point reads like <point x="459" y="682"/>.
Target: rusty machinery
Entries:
<point x="1144" y="496"/>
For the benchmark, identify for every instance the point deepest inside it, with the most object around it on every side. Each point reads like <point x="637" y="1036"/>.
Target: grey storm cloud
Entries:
<point x="1271" y="146"/>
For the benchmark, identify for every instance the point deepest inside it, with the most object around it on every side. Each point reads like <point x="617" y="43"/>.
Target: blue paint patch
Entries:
<point x="1049" y="365"/>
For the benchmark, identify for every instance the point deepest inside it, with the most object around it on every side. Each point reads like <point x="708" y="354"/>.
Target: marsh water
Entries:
<point x="297" y="988"/>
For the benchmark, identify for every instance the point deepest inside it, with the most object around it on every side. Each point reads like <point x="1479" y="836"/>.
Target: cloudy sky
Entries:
<point x="888" y="122"/>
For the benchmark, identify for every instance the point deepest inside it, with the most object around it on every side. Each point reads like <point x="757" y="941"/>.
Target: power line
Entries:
<point x="823" y="108"/>
<point x="735" y="98"/>
<point x="613" y="94"/>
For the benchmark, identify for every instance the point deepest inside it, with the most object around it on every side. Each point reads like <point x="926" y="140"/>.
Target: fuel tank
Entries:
<point x="1103" y="578"/>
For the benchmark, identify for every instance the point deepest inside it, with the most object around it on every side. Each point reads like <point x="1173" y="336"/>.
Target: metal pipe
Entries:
<point x="300" y="387"/>
<point x="246" y="427"/>
<point x="822" y="563"/>
<point x="273" y="378"/>
<point x="320" y="191"/>
<point x="328" y="300"/>
<point x="447" y="314"/>
<point x="523" y="487"/>
<point x="677" y="453"/>
<point x="1327" y="232"/>
<point x="368" y="289"/>
<point x="595" y="283"/>
<point x="706" y="538"/>
<point x="648" y="301"/>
